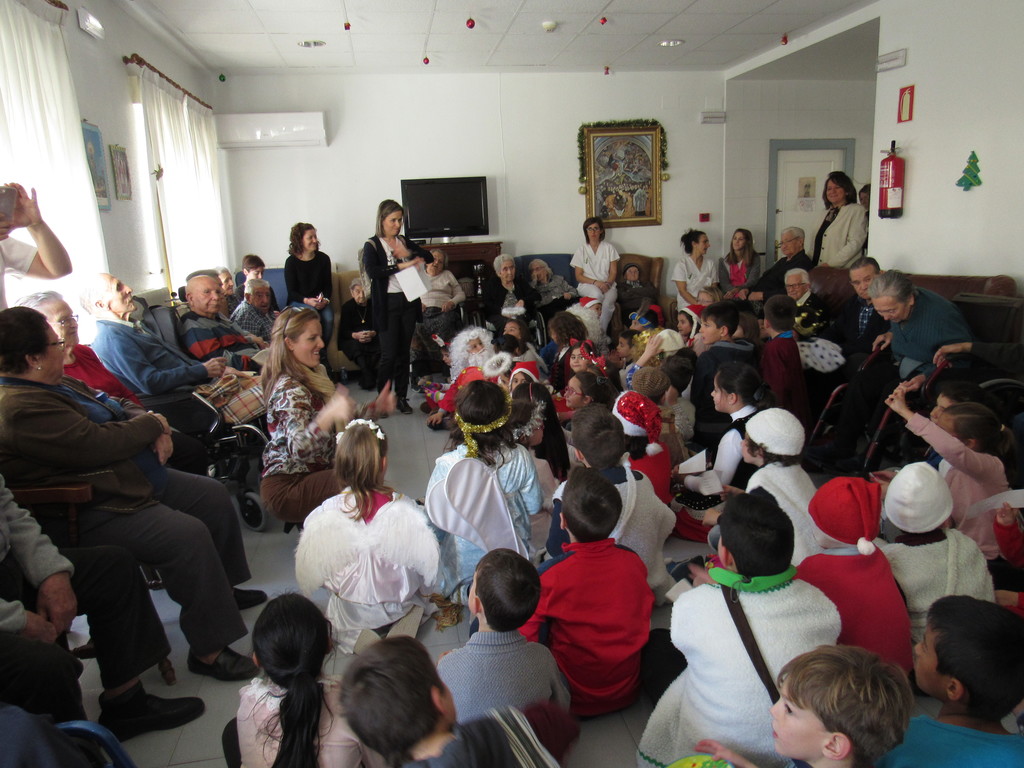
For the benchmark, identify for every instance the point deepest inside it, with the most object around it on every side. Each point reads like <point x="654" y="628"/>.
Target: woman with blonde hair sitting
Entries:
<point x="304" y="411"/>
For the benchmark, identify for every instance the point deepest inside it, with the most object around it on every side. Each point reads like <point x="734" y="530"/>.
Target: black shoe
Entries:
<point x="249" y="598"/>
<point x="230" y="665"/>
<point x="403" y="406"/>
<point x="136" y="711"/>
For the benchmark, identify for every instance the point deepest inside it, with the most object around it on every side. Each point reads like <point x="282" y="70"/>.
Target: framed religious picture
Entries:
<point x="623" y="174"/>
<point x="97" y="164"/>
<point x="122" y="174"/>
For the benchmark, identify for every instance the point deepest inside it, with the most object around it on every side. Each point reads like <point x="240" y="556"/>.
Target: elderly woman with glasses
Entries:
<point x="441" y="302"/>
<point x="596" y="264"/>
<point x="55" y="430"/>
<point x="80" y="362"/>
<point x="507" y="295"/>
<point x="555" y="292"/>
<point x="920" y="322"/>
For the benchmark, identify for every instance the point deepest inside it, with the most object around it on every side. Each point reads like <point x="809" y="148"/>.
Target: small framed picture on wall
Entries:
<point x="122" y="173"/>
<point x="97" y="164"/>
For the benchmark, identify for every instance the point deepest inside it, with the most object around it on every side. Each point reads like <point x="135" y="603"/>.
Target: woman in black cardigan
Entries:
<point x="506" y="295"/>
<point x="394" y="316"/>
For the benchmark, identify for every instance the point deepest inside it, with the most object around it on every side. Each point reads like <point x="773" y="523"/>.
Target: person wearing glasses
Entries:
<point x="858" y="324"/>
<point x="56" y="430"/>
<point x="773" y="282"/>
<point x="81" y="363"/>
<point x="811" y="312"/>
<point x="596" y="265"/>
<point x="921" y="322"/>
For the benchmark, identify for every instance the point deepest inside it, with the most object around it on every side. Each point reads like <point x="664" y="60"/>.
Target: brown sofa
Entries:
<point x="990" y="303"/>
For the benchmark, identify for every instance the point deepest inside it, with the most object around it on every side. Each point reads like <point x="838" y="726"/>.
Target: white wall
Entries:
<point x="104" y="98"/>
<point x="965" y="60"/>
<point x="517" y="129"/>
<point x="762" y="110"/>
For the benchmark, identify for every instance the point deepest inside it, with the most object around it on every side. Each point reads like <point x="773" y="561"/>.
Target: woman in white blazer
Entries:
<point x="844" y="228"/>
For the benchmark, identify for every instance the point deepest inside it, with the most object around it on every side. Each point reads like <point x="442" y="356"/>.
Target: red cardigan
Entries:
<point x="595" y="614"/>
<point x="88" y="368"/>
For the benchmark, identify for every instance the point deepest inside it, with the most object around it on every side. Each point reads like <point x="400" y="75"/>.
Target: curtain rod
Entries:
<point x="141" y="62"/>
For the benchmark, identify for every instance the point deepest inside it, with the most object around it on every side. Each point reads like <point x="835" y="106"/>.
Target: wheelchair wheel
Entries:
<point x="251" y="510"/>
<point x="1009" y="393"/>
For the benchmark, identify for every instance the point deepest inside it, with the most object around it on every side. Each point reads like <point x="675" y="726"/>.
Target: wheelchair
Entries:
<point x="236" y="460"/>
<point x="888" y="438"/>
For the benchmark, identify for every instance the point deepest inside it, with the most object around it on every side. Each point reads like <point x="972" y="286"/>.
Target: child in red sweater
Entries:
<point x="781" y="368"/>
<point x="595" y="605"/>
<point x="854" y="574"/>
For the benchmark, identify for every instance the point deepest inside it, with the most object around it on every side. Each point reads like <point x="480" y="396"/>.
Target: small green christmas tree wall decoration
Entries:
<point x="970" y="177"/>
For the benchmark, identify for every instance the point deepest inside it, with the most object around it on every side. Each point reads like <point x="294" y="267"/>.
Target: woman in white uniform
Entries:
<point x="596" y="264"/>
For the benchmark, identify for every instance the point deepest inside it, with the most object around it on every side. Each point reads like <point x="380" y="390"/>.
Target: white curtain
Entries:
<point x="41" y="142"/>
<point x="183" y="142"/>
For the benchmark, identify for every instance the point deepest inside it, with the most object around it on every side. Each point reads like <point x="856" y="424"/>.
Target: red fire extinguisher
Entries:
<point x="890" y="185"/>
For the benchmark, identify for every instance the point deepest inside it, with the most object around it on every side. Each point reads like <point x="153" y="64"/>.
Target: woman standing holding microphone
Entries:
<point x="394" y="316"/>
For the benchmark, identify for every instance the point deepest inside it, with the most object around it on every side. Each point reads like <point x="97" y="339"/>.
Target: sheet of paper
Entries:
<point x="1014" y="498"/>
<point x="694" y="464"/>
<point x="413" y="281"/>
<point x="710" y="483"/>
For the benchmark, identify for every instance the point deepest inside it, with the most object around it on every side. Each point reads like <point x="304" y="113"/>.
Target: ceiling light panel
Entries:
<point x="685" y="24"/>
<point x="213" y="22"/>
<point x="309" y="23"/>
<point x="451" y="43"/>
<point x="630" y="23"/>
<point x="567" y="6"/>
<point x="289" y="45"/>
<point x="746" y="7"/>
<point x="745" y="43"/>
<point x="772" y="23"/>
<point x="396" y="43"/>
<point x="389" y="23"/>
<point x="299" y="6"/>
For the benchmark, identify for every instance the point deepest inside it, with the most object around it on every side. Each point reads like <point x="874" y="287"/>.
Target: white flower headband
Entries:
<point x="371" y="425"/>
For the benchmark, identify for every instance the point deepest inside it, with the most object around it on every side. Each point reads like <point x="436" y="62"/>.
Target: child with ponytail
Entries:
<point x="370" y="546"/>
<point x="291" y="716"/>
<point x="978" y="455"/>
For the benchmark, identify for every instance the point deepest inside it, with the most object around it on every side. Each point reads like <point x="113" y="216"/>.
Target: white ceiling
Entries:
<point x="850" y="55"/>
<point x="259" y="36"/>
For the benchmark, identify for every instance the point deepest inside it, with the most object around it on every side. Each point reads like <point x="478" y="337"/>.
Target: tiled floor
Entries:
<point x="606" y="741"/>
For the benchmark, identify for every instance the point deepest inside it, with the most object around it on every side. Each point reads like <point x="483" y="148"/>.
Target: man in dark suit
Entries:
<point x="773" y="282"/>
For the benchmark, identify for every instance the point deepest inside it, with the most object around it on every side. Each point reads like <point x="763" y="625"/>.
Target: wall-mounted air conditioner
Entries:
<point x="271" y="129"/>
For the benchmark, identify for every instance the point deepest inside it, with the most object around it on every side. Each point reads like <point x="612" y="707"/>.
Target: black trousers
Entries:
<point x="865" y="398"/>
<point x="395" y="343"/>
<point x="366" y="356"/>
<point x="43" y="677"/>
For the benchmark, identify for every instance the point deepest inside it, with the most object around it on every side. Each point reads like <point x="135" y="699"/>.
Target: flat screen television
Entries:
<point x="452" y="207"/>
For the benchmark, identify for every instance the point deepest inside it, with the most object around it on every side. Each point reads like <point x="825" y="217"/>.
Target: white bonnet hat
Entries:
<point x="918" y="499"/>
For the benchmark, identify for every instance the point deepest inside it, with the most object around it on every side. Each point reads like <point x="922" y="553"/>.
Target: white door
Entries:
<point x="798" y="183"/>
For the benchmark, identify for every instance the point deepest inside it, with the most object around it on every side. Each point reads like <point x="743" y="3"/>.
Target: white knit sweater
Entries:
<point x="927" y="572"/>
<point x="792" y="489"/>
<point x="719" y="695"/>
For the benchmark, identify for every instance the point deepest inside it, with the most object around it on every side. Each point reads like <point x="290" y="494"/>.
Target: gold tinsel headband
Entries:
<point x="468" y="430"/>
